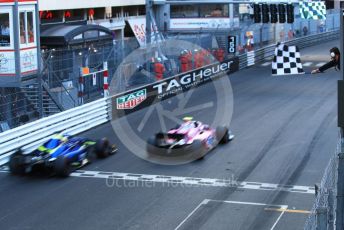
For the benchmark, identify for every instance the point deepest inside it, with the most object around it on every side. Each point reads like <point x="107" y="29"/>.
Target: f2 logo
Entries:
<point x="231" y="44"/>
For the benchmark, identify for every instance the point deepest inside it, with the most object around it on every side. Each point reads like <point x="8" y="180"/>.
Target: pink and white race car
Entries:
<point x="191" y="137"/>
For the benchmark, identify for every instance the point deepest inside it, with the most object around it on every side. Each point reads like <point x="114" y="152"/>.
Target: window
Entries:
<point x="330" y="4"/>
<point x="130" y="11"/>
<point x="74" y="15"/>
<point x="26" y="31"/>
<point x="99" y="13"/>
<point x="53" y="16"/>
<point x="239" y="8"/>
<point x="22" y="27"/>
<point x="77" y="37"/>
<point x="5" y="35"/>
<point x="30" y="31"/>
<point x="211" y="10"/>
<point x="91" y="34"/>
<point x="142" y="10"/>
<point x="184" y="11"/>
<point x="199" y="11"/>
<point x="116" y="12"/>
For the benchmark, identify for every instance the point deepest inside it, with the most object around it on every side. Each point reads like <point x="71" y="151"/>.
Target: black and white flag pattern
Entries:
<point x="313" y="10"/>
<point x="286" y="60"/>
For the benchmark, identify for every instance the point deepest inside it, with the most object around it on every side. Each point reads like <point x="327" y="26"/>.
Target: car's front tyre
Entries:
<point x="222" y="134"/>
<point x="102" y="147"/>
<point x="17" y="163"/>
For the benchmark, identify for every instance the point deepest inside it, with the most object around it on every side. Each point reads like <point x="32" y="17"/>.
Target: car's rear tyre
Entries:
<point x="151" y="146"/>
<point x="222" y="134"/>
<point x="201" y="158"/>
<point x="62" y="167"/>
<point x="159" y="139"/>
<point x="102" y="147"/>
<point x="17" y="164"/>
<point x="152" y="141"/>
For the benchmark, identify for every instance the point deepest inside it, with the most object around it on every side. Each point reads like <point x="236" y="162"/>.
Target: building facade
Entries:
<point x="108" y="13"/>
<point x="175" y="16"/>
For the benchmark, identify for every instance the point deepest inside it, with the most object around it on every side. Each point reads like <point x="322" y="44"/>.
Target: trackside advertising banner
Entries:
<point x="136" y="99"/>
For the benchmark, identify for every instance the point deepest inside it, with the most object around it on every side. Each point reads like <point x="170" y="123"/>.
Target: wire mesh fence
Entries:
<point x="323" y="213"/>
<point x="61" y="67"/>
<point x="15" y="109"/>
<point x="60" y="71"/>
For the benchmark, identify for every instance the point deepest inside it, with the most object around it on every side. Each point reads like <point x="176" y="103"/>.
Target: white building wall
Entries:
<point x="82" y="4"/>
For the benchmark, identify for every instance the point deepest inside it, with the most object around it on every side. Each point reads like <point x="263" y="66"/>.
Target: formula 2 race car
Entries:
<point x="191" y="137"/>
<point x="60" y="154"/>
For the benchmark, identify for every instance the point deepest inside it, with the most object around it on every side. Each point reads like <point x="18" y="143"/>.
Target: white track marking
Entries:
<point x="194" y="181"/>
<point x="206" y="201"/>
<point x="191" y="213"/>
<point x="278" y="219"/>
<point x="248" y="203"/>
<point x="307" y="64"/>
<point x="190" y="181"/>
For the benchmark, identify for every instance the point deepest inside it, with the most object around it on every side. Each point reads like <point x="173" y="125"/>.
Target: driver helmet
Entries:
<point x="334" y="51"/>
<point x="187" y="119"/>
<point x="139" y="67"/>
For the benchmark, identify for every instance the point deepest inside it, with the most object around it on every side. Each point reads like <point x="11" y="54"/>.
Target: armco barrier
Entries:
<point x="267" y="52"/>
<point x="90" y="115"/>
<point x="73" y="121"/>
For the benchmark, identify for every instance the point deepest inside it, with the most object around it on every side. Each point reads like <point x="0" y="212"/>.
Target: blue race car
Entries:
<point x="61" y="154"/>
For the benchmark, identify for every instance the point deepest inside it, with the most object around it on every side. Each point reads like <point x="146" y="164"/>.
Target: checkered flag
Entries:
<point x="287" y="60"/>
<point x="313" y="10"/>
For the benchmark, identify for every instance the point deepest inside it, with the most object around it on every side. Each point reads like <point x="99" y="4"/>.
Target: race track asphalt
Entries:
<point x="286" y="132"/>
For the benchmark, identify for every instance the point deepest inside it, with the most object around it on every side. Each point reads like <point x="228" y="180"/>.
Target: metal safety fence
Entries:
<point x="323" y="215"/>
<point x="60" y="73"/>
<point x="74" y="121"/>
<point x="267" y="52"/>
